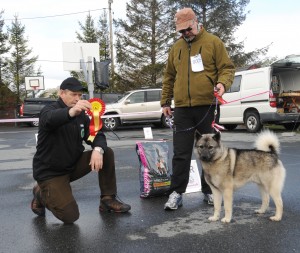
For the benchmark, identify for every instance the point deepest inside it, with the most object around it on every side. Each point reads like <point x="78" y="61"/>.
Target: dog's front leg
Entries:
<point x="228" y="198"/>
<point x="217" y="204"/>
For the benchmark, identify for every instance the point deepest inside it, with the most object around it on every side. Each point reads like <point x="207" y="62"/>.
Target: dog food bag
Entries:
<point x="154" y="172"/>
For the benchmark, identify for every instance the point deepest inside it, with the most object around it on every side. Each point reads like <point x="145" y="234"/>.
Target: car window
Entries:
<point x="137" y="97"/>
<point x="121" y="97"/>
<point x="34" y="102"/>
<point x="153" y="95"/>
<point x="235" y="87"/>
<point x="49" y="102"/>
<point x="289" y="60"/>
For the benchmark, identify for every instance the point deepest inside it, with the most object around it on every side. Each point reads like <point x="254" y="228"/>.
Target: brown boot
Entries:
<point x="36" y="204"/>
<point x="111" y="204"/>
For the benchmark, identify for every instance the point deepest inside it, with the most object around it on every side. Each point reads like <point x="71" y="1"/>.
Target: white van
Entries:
<point x="269" y="95"/>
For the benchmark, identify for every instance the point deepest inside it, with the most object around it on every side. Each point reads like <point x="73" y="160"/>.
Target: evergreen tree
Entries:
<point x="222" y="18"/>
<point x="89" y="32"/>
<point x="4" y="49"/>
<point x="88" y="35"/>
<point x="20" y="62"/>
<point x="93" y="35"/>
<point x="143" y="40"/>
<point x="103" y="36"/>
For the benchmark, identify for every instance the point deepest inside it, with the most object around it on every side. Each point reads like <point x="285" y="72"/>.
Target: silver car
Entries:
<point x="137" y="106"/>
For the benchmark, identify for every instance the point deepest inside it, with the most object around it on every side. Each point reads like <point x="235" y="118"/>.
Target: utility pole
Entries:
<point x="90" y="77"/>
<point x="0" y="71"/>
<point x="111" y="39"/>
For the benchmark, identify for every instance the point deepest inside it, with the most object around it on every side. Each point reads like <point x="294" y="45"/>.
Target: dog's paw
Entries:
<point x="225" y="220"/>
<point x="259" y="211"/>
<point x="213" y="218"/>
<point x="275" y="218"/>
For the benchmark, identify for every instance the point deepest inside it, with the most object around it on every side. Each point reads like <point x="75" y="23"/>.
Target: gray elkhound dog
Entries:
<point x="227" y="169"/>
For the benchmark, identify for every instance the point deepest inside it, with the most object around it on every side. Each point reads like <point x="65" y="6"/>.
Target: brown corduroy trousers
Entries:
<point x="56" y="193"/>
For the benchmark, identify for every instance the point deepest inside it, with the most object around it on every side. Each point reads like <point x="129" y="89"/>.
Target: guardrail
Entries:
<point x="123" y="115"/>
<point x="18" y="120"/>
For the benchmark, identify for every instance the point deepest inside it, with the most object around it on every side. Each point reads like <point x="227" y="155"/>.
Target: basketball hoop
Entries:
<point x="74" y="52"/>
<point x="34" y="83"/>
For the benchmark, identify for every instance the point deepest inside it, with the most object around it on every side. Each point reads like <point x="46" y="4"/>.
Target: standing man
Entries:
<point x="197" y="64"/>
<point x="60" y="157"/>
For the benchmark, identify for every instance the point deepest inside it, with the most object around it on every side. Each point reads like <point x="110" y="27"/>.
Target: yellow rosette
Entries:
<point x="97" y="110"/>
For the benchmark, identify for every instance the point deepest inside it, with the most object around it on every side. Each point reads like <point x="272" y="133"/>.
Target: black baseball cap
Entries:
<point x="72" y="84"/>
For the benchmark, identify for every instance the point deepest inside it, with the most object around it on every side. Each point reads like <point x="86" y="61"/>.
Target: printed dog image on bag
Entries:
<point x="161" y="163"/>
<point x="154" y="172"/>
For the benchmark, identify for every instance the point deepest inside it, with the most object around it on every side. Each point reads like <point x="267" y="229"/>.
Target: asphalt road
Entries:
<point x="147" y="228"/>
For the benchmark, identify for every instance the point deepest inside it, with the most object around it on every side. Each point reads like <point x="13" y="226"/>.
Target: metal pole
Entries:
<point x="111" y="39"/>
<point x="90" y="77"/>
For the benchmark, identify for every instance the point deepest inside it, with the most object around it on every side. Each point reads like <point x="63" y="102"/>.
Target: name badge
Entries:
<point x="197" y="64"/>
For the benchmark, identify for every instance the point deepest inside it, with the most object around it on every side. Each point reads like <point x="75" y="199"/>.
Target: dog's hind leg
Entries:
<point x="217" y="194"/>
<point x="276" y="196"/>
<point x="275" y="192"/>
<point x="265" y="197"/>
<point x="228" y="199"/>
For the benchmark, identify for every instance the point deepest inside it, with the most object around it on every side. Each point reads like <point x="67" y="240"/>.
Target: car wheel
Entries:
<point x="230" y="126"/>
<point x="252" y="122"/>
<point x="111" y="123"/>
<point x="167" y="121"/>
<point x="291" y="126"/>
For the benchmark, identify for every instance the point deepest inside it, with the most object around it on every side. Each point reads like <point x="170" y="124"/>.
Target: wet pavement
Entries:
<point x="147" y="227"/>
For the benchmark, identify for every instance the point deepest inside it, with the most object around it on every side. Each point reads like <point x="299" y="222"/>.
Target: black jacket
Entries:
<point x="60" y="139"/>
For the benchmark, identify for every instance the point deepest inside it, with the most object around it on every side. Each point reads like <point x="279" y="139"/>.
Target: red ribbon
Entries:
<point x="220" y="99"/>
<point x="97" y="110"/>
<point x="217" y="127"/>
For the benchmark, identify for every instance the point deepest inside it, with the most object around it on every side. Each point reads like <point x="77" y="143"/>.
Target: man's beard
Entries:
<point x="189" y="39"/>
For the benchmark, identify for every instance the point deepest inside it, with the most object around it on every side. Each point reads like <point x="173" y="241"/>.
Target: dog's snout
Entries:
<point x="205" y="156"/>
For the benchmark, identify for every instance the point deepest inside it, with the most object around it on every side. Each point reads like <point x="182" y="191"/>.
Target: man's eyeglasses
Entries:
<point x="186" y="30"/>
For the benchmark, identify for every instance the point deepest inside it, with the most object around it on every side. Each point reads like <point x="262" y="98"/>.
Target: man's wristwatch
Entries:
<point x="99" y="149"/>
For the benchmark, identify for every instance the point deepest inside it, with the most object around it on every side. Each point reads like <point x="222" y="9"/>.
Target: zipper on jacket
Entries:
<point x="189" y="68"/>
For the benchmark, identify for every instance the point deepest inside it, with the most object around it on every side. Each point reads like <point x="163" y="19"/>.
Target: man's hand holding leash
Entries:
<point x="166" y="109"/>
<point x="220" y="89"/>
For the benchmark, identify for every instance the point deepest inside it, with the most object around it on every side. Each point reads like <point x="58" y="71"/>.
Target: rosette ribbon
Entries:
<point x="97" y="110"/>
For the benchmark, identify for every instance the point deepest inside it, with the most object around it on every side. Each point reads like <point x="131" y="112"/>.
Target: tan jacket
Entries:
<point x="196" y="88"/>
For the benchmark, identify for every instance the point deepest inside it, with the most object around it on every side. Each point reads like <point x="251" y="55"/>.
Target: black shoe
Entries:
<point x="111" y="204"/>
<point x="36" y="205"/>
<point x="208" y="198"/>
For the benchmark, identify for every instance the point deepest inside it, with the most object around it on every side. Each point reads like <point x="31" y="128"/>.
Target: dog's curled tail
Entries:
<point x="267" y="141"/>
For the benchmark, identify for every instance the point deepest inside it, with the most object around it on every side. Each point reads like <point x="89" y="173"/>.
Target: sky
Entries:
<point x="268" y="22"/>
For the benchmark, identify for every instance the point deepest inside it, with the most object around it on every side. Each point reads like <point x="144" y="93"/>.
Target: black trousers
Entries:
<point x="186" y="121"/>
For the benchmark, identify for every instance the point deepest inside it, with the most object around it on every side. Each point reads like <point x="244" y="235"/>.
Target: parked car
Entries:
<point x="137" y="106"/>
<point x="31" y="108"/>
<point x="269" y="95"/>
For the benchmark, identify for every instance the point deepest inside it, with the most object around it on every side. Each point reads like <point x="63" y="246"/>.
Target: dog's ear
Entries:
<point x="217" y="136"/>
<point x="198" y="135"/>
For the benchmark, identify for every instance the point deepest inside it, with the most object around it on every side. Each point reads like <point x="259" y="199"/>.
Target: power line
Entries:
<point x="60" y="61"/>
<point x="54" y="16"/>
